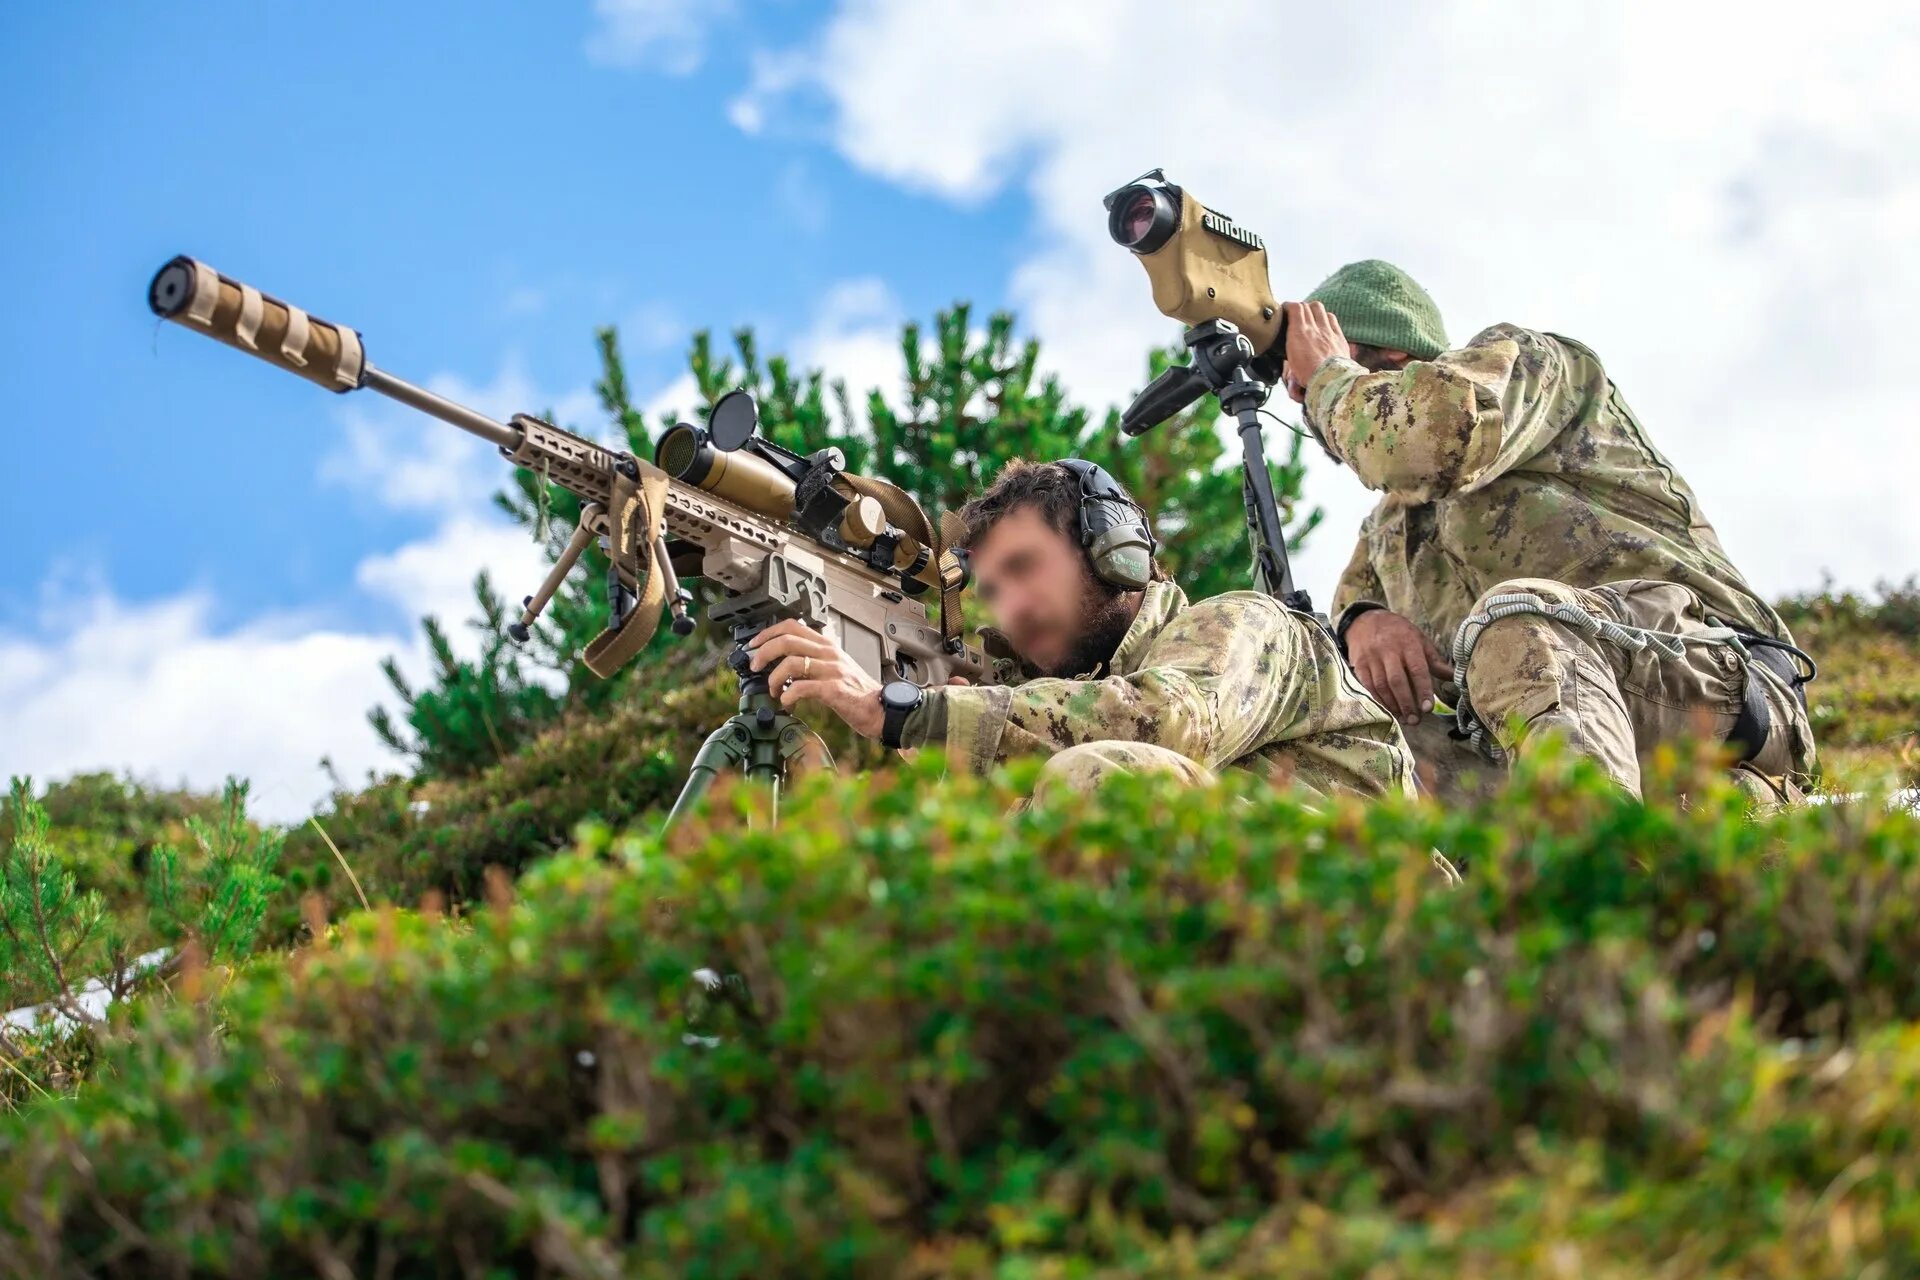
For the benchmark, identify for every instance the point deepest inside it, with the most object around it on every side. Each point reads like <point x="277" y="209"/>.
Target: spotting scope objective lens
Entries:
<point x="1142" y="217"/>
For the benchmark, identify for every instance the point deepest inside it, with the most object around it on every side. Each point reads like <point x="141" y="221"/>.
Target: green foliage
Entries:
<point x="1118" y="1038"/>
<point x="1866" y="704"/>
<point x="51" y="931"/>
<point x="1895" y="611"/>
<point x="971" y="400"/>
<point x="476" y="712"/>
<point x="60" y="939"/>
<point x="794" y="412"/>
<point x="406" y="840"/>
<point x="106" y="827"/>
<point x="218" y="895"/>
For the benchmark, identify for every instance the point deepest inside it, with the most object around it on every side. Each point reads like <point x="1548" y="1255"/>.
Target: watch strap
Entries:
<point x="894" y="718"/>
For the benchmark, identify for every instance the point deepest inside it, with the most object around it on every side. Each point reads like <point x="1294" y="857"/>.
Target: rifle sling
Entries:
<point x="634" y="521"/>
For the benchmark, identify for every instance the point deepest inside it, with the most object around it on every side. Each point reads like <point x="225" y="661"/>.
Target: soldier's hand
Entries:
<point x="804" y="666"/>
<point x="1313" y="338"/>
<point x="1396" y="662"/>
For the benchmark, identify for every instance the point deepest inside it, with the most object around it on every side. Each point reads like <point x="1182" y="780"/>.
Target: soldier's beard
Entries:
<point x="1106" y="614"/>
<point x="1375" y="359"/>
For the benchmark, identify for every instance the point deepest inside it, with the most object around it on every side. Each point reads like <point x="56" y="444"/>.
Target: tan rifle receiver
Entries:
<point x="785" y="535"/>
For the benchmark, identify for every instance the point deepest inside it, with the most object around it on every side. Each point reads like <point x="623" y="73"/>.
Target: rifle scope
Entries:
<point x="689" y="453"/>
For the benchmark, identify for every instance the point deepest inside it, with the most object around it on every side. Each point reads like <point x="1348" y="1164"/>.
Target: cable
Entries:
<point x="1298" y="431"/>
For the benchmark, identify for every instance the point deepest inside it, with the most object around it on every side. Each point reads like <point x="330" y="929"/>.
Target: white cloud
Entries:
<point x="1722" y="199"/>
<point x="435" y="575"/>
<point x="771" y="76"/>
<point x="855" y="337"/>
<point x="679" y="398"/>
<point x="663" y="35"/>
<point x="409" y="461"/>
<point x="524" y="300"/>
<point x="653" y="326"/>
<point x="854" y="334"/>
<point x="158" y="691"/>
<point x="802" y="197"/>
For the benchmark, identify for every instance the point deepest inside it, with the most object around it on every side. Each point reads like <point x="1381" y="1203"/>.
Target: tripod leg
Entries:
<point x="793" y="750"/>
<point x="804" y="751"/>
<point x="725" y="748"/>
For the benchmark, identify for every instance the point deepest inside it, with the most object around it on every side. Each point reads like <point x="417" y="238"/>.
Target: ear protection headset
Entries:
<point x="1113" y="528"/>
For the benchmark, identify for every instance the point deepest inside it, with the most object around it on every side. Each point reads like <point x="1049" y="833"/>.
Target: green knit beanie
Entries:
<point x="1380" y="305"/>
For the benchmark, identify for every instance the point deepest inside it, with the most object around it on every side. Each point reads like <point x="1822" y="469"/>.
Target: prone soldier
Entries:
<point x="1101" y="664"/>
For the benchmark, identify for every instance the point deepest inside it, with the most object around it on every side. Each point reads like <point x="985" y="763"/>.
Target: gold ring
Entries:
<point x="807" y="670"/>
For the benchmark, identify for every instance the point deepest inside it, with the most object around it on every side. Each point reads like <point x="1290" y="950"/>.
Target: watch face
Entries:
<point x="899" y="693"/>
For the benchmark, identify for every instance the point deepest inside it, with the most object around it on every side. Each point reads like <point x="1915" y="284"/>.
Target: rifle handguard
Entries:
<point x="191" y="293"/>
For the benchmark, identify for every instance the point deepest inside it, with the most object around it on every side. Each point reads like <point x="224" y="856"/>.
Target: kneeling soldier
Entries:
<point x="1533" y="546"/>
<point x="1104" y="665"/>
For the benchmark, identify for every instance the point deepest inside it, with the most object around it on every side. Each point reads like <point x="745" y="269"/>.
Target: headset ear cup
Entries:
<point x="1113" y="529"/>
<point x="1122" y="558"/>
<point x="1121" y="547"/>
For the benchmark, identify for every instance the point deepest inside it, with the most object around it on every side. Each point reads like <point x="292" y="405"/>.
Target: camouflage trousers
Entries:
<point x="1084" y="767"/>
<point x="1614" y="703"/>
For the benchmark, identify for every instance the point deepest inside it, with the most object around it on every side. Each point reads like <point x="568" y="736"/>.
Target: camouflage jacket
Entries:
<point x="1234" y="680"/>
<point x="1512" y="457"/>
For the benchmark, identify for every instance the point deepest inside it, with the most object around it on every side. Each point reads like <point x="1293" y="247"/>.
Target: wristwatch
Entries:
<point x="898" y="700"/>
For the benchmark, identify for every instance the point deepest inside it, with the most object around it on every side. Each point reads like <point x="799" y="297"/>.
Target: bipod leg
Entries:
<point x="592" y="521"/>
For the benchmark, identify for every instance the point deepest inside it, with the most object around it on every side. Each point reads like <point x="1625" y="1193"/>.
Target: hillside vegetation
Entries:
<point x="961" y="1039"/>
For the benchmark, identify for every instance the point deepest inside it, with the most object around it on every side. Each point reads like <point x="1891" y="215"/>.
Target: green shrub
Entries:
<point x="107" y="827"/>
<point x="1866" y="703"/>
<point x="1164" y="1033"/>
<point x="65" y="945"/>
<point x="405" y="839"/>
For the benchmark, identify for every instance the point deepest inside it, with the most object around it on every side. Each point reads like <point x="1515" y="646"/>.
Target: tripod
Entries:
<point x="760" y="740"/>
<point x="1223" y="362"/>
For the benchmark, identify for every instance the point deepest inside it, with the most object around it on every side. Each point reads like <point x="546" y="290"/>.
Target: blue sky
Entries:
<point x="207" y="559"/>
<point x="462" y="183"/>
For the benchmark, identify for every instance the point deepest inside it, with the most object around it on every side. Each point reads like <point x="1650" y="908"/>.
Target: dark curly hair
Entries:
<point x="1048" y="487"/>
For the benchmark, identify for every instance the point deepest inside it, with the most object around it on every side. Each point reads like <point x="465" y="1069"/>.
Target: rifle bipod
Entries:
<point x="759" y="740"/>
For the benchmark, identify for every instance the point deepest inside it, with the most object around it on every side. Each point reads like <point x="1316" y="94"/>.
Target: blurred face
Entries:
<point x="1378" y="359"/>
<point x="1037" y="584"/>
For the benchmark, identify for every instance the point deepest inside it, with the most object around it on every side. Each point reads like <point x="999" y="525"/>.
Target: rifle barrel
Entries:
<point x="416" y="397"/>
<point x="191" y="293"/>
